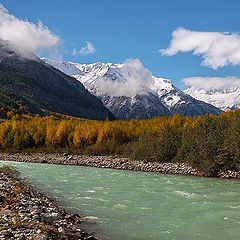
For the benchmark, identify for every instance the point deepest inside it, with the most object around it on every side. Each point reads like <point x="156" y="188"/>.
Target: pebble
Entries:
<point x="30" y="214"/>
<point x="113" y="162"/>
<point x="22" y="237"/>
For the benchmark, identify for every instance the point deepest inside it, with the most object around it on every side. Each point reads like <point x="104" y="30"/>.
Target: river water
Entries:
<point x="127" y="205"/>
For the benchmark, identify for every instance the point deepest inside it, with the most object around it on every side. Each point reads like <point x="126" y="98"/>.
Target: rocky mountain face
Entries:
<point x="130" y="91"/>
<point x="227" y="99"/>
<point x="28" y="84"/>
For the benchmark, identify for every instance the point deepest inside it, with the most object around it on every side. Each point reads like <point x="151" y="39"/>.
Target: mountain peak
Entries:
<point x="224" y="99"/>
<point x="31" y="84"/>
<point x="129" y="90"/>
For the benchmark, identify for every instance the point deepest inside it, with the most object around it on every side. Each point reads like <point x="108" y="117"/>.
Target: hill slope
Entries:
<point x="29" y="84"/>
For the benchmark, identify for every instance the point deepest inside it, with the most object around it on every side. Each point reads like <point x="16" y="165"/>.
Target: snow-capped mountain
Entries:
<point x="130" y="91"/>
<point x="29" y="85"/>
<point x="228" y="99"/>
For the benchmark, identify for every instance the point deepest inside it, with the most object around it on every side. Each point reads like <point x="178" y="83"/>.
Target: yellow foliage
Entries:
<point x="22" y="131"/>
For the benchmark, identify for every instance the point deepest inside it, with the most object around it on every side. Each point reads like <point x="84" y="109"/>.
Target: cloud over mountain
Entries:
<point x="87" y="49"/>
<point x="211" y="83"/>
<point x="217" y="49"/>
<point x="136" y="79"/>
<point x="24" y="35"/>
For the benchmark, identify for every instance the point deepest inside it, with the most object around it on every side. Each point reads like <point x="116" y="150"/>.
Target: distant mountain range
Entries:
<point x="228" y="99"/>
<point x="28" y="84"/>
<point x="130" y="91"/>
<point x="127" y="91"/>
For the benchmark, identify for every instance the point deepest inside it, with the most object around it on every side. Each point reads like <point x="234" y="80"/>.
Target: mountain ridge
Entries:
<point x="124" y="91"/>
<point x="224" y="99"/>
<point x="41" y="89"/>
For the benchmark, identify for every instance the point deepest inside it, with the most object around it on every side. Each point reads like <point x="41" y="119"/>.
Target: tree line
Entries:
<point x="210" y="142"/>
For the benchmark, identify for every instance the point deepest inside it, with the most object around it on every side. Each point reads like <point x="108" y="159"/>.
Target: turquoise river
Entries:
<point x="127" y="205"/>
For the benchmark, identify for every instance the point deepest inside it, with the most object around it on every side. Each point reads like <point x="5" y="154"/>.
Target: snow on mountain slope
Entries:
<point x="42" y="89"/>
<point x="129" y="90"/>
<point x="223" y="99"/>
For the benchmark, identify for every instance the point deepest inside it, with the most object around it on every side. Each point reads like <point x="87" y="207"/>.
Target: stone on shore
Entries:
<point x="26" y="213"/>
<point x="113" y="162"/>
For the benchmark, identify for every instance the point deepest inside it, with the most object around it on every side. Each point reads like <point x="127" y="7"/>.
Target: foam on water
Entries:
<point x="185" y="194"/>
<point x="90" y="191"/>
<point x="121" y="206"/>
<point x="90" y="218"/>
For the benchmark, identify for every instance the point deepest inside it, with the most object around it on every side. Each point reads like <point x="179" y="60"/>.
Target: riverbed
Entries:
<point x="139" y="205"/>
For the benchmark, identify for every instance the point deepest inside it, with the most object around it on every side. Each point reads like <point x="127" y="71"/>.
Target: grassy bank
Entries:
<point x="211" y="143"/>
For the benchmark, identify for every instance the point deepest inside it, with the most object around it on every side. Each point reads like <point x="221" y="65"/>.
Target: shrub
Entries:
<point x="162" y="147"/>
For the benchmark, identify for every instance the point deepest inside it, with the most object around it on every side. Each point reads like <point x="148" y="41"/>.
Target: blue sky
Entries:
<point x="125" y="29"/>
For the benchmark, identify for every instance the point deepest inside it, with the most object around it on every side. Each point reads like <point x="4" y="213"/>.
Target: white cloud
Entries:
<point x="211" y="83"/>
<point x="85" y="50"/>
<point x="216" y="48"/>
<point x="24" y="35"/>
<point x="135" y="80"/>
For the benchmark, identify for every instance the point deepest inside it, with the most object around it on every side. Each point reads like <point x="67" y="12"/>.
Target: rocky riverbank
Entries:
<point x="113" y="162"/>
<point x="27" y="214"/>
